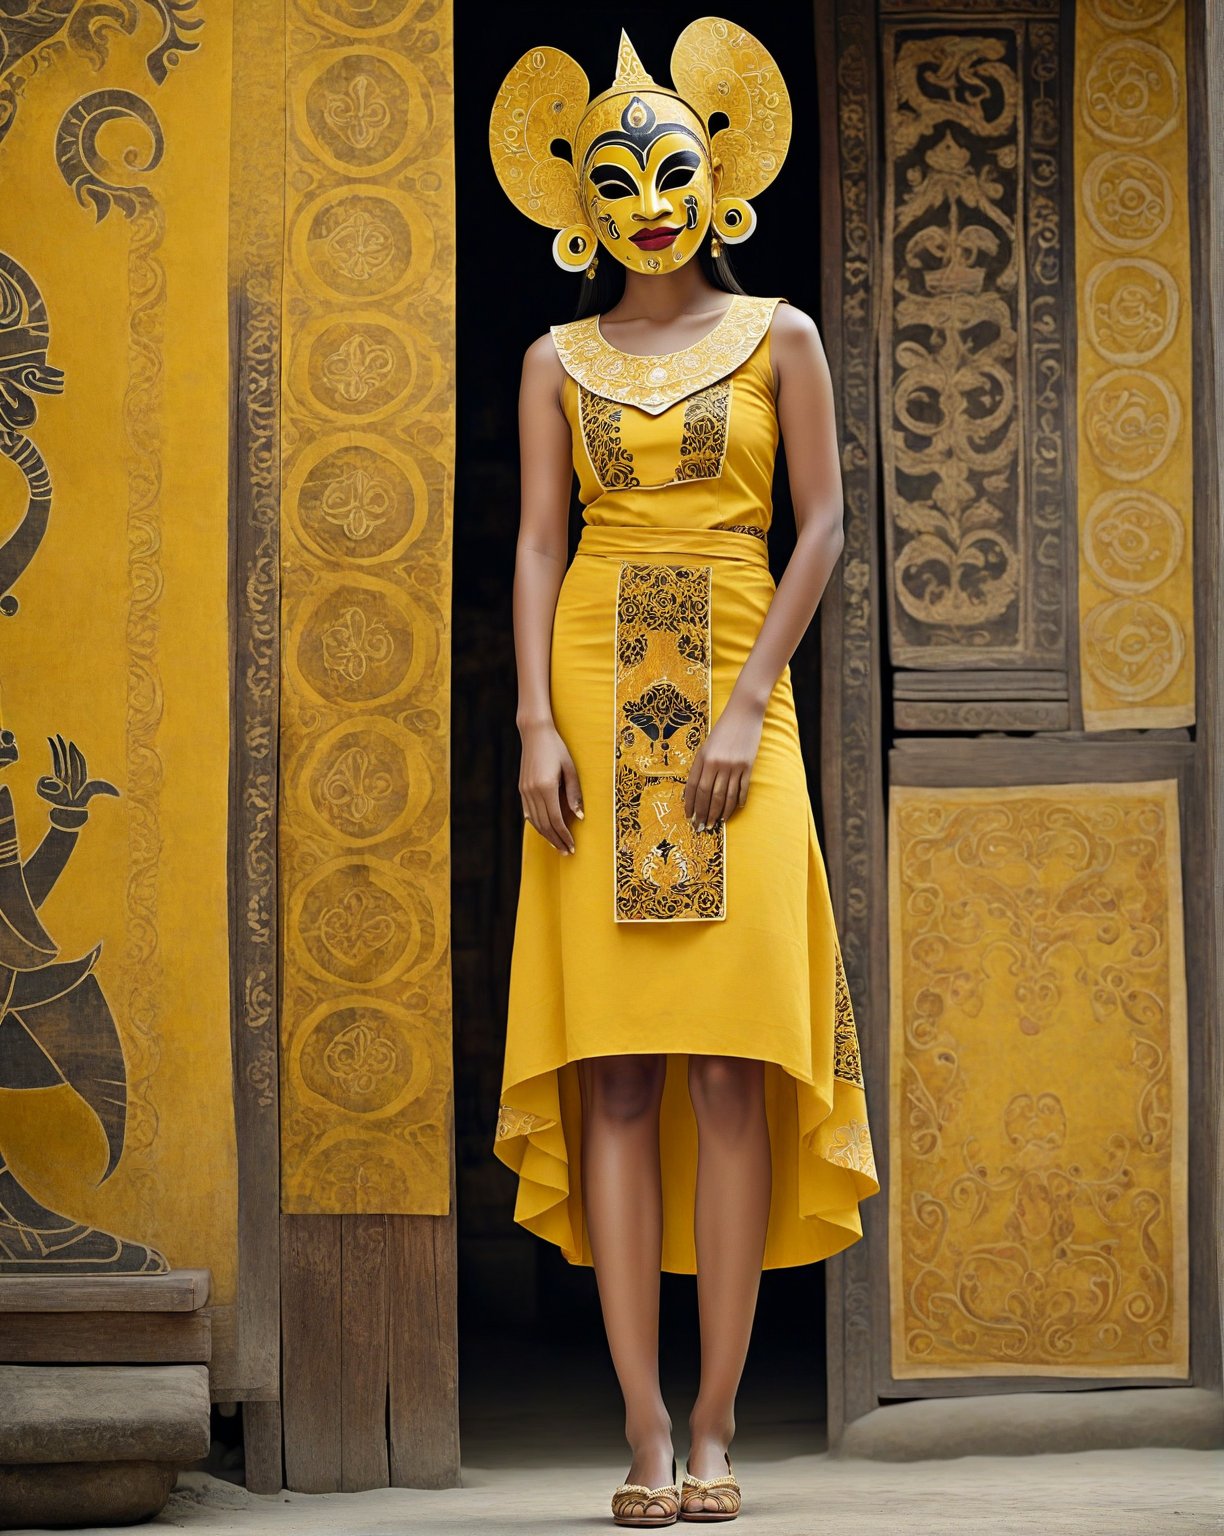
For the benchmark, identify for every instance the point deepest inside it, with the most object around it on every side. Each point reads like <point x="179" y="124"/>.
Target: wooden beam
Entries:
<point x="424" y="1351"/>
<point x="311" y="1330"/>
<point x="105" y="1338"/>
<point x="178" y="1290"/>
<point x="363" y="1383"/>
<point x="256" y="258"/>
<point x="263" y="1451"/>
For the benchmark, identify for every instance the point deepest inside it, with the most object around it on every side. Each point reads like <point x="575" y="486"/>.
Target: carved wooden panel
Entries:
<point x="1136" y="471"/>
<point x="972" y="345"/>
<point x="1038" y="1201"/>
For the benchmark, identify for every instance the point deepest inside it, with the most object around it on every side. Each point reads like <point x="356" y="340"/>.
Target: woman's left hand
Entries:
<point x="718" y="780"/>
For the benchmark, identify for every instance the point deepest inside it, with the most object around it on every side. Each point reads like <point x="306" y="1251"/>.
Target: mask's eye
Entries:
<point x="613" y="181"/>
<point x="678" y="170"/>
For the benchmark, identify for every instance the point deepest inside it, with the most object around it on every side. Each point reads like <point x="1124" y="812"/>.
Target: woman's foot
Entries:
<point x="709" y="1491"/>
<point x="653" y="1462"/>
<point x="708" y="1447"/>
<point x="649" y="1496"/>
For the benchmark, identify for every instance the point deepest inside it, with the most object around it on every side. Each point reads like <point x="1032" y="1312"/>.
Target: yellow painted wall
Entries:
<point x="134" y="566"/>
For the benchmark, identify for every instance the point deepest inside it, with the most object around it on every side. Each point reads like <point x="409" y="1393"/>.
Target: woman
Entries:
<point x="682" y="1087"/>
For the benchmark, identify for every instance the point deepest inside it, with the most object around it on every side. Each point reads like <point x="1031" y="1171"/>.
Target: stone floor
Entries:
<point x="1150" y="1492"/>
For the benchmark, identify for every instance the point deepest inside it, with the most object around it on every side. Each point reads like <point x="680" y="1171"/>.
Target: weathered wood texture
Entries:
<point x="311" y="1331"/>
<point x="363" y="1377"/>
<point x="255" y="263"/>
<point x="107" y="1338"/>
<point x="424" y="1352"/>
<point x="972" y="344"/>
<point x="263" y="1446"/>
<point x="851" y="639"/>
<point x="178" y="1290"/>
<point x="370" y="1353"/>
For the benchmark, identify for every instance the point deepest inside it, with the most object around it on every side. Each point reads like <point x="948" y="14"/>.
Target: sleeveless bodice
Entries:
<point x="683" y="439"/>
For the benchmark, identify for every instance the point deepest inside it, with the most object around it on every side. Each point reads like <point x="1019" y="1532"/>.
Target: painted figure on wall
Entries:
<point x="56" y="1027"/>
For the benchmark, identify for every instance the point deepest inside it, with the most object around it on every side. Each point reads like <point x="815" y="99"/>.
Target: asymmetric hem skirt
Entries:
<point x="763" y="982"/>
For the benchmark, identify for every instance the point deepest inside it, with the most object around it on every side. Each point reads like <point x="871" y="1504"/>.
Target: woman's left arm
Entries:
<point x="718" y="781"/>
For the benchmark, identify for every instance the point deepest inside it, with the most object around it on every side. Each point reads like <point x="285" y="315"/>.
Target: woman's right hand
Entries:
<point x="548" y="784"/>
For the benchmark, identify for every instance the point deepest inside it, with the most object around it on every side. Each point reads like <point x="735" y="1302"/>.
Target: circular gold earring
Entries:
<point x="574" y="248"/>
<point x="733" y="219"/>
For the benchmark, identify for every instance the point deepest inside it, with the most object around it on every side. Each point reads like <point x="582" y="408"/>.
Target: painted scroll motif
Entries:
<point x="1038" y="1216"/>
<point x="971" y="346"/>
<point x="367" y="439"/>
<point x="1136" y="570"/>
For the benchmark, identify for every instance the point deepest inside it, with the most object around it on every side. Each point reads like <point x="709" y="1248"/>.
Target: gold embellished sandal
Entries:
<point x="723" y="1492"/>
<point x="632" y="1502"/>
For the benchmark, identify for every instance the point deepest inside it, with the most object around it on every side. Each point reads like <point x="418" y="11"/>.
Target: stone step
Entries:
<point x="60" y="1413"/>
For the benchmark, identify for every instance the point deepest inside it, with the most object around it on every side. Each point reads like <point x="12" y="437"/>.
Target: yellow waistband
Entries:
<point x="668" y="543"/>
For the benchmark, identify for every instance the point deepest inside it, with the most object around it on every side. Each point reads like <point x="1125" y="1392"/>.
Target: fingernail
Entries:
<point x="580" y="813"/>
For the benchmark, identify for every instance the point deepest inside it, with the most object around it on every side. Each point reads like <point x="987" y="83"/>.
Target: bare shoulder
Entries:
<point x="541" y="360"/>
<point x="543" y="374"/>
<point x="794" y="328"/>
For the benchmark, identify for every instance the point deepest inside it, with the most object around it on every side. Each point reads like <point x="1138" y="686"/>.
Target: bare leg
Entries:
<point x="734" y="1182"/>
<point x="622" y="1190"/>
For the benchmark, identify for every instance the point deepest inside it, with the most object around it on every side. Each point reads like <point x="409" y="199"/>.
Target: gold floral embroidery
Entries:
<point x="749" y="528"/>
<point x="653" y="383"/>
<point x="517" y="1122"/>
<point x="847" y="1063"/>
<point x="703" y="445"/>
<point x="601" y="432"/>
<point x="664" y="868"/>
<point x="851" y="1148"/>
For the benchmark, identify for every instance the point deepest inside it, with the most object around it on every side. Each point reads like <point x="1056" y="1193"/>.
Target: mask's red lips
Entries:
<point x="654" y="239"/>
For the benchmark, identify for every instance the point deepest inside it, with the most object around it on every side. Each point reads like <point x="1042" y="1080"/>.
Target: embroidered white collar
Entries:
<point x="653" y="383"/>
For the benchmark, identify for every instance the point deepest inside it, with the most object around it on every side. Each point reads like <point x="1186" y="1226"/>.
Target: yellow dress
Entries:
<point x="652" y="937"/>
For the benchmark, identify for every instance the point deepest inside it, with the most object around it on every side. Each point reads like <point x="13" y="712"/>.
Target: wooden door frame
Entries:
<point x="853" y="661"/>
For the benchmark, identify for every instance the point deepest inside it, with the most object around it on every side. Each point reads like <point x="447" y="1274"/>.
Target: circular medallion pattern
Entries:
<point x="1132" y="540"/>
<point x="358" y="923"/>
<point x="359" y="244"/>
<point x="1131" y="15"/>
<point x="1131" y="421"/>
<point x="360" y="502"/>
<point x="359" y="367"/>
<point x="366" y="779"/>
<point x="1128" y="199"/>
<point x="1134" y="647"/>
<point x="1131" y="93"/>
<point x="1130" y="308"/>
<point x="365" y="110"/>
<point x="359" y="644"/>
<point x="365" y="1056"/>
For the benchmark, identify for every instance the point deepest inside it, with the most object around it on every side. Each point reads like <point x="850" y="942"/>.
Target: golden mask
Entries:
<point x="641" y="172"/>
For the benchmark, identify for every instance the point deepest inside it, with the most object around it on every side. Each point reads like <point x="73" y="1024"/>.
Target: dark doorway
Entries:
<point x="533" y="1362"/>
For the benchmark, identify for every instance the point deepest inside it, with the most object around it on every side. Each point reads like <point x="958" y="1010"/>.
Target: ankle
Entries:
<point x="649" y="1432"/>
<point x="712" y="1431"/>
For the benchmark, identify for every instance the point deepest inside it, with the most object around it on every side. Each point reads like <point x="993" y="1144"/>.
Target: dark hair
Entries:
<point x="601" y="292"/>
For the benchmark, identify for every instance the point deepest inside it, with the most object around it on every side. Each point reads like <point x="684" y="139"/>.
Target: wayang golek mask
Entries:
<point x="638" y="169"/>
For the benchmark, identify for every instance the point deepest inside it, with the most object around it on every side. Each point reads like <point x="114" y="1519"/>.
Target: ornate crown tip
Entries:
<point x="629" y="68"/>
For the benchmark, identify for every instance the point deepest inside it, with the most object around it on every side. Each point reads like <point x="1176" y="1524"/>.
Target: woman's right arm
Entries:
<point x="548" y="781"/>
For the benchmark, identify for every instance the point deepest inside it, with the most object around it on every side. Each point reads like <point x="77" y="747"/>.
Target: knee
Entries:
<point x="726" y="1088"/>
<point x="626" y="1088"/>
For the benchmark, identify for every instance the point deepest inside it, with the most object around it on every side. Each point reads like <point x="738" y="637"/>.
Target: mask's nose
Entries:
<point x="656" y="209"/>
